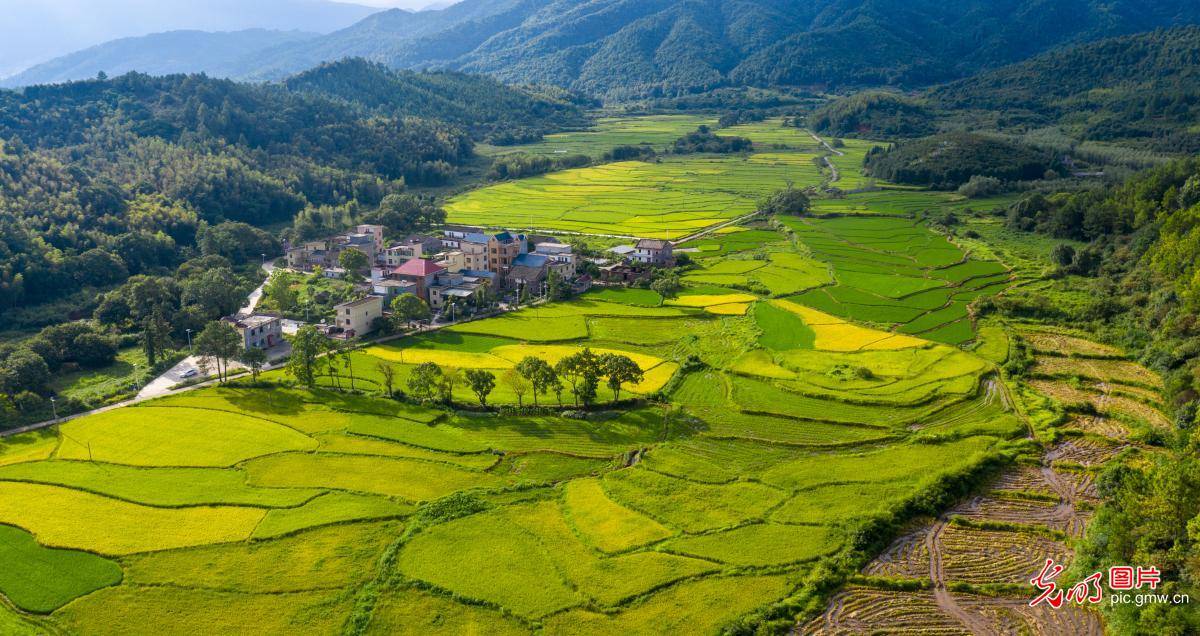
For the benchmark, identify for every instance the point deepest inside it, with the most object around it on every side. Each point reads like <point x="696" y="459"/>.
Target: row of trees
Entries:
<point x="582" y="372"/>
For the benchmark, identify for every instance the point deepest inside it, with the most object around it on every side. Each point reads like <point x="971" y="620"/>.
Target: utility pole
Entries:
<point x="189" y="334"/>
<point x="54" y="407"/>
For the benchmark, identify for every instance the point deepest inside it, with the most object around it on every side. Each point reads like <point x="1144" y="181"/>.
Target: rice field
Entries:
<point x="804" y="381"/>
<point x="666" y="199"/>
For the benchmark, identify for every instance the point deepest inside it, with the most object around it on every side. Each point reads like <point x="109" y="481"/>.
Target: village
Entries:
<point x="464" y="272"/>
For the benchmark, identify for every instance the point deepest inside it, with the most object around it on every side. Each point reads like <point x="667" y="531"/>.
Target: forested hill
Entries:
<point x="625" y="49"/>
<point x="484" y="107"/>
<point x="1142" y="87"/>
<point x="104" y="179"/>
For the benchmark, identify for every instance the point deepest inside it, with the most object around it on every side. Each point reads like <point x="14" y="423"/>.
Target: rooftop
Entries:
<point x="622" y="250"/>
<point x="250" y="322"/>
<point x="418" y="267"/>
<point x="360" y="302"/>
<point x="531" y="260"/>
<point x="653" y="244"/>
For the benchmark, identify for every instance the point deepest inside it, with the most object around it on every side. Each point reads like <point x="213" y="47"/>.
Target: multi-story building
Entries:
<point x="503" y="249"/>
<point x="561" y="257"/>
<point x="358" y="317"/>
<point x="456" y="286"/>
<point x="415" y="246"/>
<point x="257" y="331"/>
<point x="654" y="252"/>
<point x="421" y="272"/>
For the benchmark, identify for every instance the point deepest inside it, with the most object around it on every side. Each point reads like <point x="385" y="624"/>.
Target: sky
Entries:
<point x="33" y="31"/>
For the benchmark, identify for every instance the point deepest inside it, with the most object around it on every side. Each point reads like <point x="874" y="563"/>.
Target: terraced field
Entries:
<point x="1005" y="534"/>
<point x="898" y="274"/>
<point x="287" y="510"/>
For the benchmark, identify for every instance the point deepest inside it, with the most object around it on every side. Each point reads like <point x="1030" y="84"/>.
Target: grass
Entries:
<point x="27" y="447"/>
<point x="61" y="517"/>
<point x="96" y="385"/>
<point x="175" y="436"/>
<point x="41" y="580"/>
<point x="628" y="296"/>
<point x="839" y="502"/>
<point x="605" y="524"/>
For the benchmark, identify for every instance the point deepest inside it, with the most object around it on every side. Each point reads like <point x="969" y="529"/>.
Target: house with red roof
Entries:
<point x="421" y="272"/>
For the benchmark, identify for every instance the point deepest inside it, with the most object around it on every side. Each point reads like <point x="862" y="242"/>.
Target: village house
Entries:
<point x="503" y="249"/>
<point x="655" y="252"/>
<point x="258" y="331"/>
<point x="561" y="258"/>
<point x="529" y="271"/>
<point x="389" y="288"/>
<point x="456" y="286"/>
<point x="421" y="272"/>
<point x="324" y="253"/>
<point x="358" y="317"/>
<point x="414" y="246"/>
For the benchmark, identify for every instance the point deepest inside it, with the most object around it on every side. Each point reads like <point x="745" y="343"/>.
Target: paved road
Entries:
<point x="255" y="296"/>
<point x="835" y="176"/>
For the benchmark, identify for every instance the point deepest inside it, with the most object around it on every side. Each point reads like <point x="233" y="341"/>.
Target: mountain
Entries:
<point x="637" y="48"/>
<point x="628" y="49"/>
<point x="159" y="54"/>
<point x="34" y="32"/>
<point x="1143" y="87"/>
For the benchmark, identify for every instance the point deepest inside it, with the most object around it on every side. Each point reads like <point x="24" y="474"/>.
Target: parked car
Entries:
<point x="190" y="373"/>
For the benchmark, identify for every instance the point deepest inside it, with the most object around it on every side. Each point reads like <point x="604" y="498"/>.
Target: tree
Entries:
<point x="255" y="359"/>
<point x="93" y="350"/>
<point x="482" y="382"/>
<point x="451" y="377"/>
<point x="388" y="373"/>
<point x="221" y="342"/>
<point x="556" y="288"/>
<point x="407" y="309"/>
<point x="790" y="201"/>
<point x="279" y="291"/>
<point x="1063" y="255"/>
<point x="518" y="384"/>
<point x="24" y="370"/>
<point x="581" y="371"/>
<point x="620" y="370"/>
<point x="425" y="380"/>
<point x="667" y="284"/>
<point x="307" y="346"/>
<point x="156" y="336"/>
<point x="354" y="262"/>
<point x="539" y="373"/>
<point x="215" y="291"/>
<point x="405" y="213"/>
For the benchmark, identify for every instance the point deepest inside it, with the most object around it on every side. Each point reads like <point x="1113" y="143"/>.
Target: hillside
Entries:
<point x="484" y="107"/>
<point x="136" y="166"/>
<point x="949" y="160"/>
<point x="622" y="49"/>
<point x="159" y="54"/>
<point x="1142" y="88"/>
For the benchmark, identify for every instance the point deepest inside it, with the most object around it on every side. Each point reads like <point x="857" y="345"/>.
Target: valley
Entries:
<point x="824" y="427"/>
